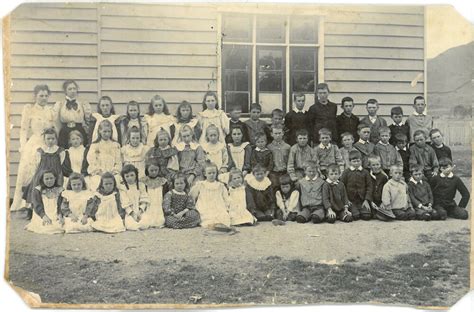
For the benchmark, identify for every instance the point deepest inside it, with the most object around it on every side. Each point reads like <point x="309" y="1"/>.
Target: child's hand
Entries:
<point x="222" y="170"/>
<point x="84" y="220"/>
<point x="347" y="212"/>
<point x="436" y="173"/>
<point x="331" y="214"/>
<point x="46" y="220"/>
<point x="134" y="216"/>
<point x="61" y="220"/>
<point x="366" y="205"/>
<point x="191" y="178"/>
<point x="244" y="173"/>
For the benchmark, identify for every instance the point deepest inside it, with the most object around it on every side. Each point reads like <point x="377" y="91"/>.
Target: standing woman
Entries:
<point x="73" y="114"/>
<point x="35" y="118"/>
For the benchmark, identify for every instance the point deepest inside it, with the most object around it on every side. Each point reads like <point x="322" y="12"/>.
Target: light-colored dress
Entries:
<point x="216" y="117"/>
<point x="136" y="157"/>
<point x="45" y="202"/>
<point x="154" y="215"/>
<point x="74" y="205"/>
<point x="155" y="123"/>
<point x="212" y="202"/>
<point x="34" y="120"/>
<point x="99" y="118"/>
<point x="107" y="217"/>
<point x="103" y="156"/>
<point x="237" y="153"/>
<point x="217" y="154"/>
<point x="138" y="202"/>
<point x="238" y="207"/>
<point x="177" y="128"/>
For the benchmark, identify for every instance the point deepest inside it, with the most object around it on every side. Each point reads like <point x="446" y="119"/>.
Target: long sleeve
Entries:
<point x="434" y="161"/>
<point x="412" y="161"/>
<point x="345" y="199"/>
<point x="225" y="158"/>
<point x="117" y="158"/>
<point x="195" y="190"/>
<point x="92" y="160"/>
<point x="224" y="122"/>
<point x="279" y="201"/>
<point x="409" y="203"/>
<point x="339" y="160"/>
<point x="66" y="165"/>
<point x="57" y="108"/>
<point x="87" y="110"/>
<point x="326" y="195"/>
<point x="190" y="203"/>
<point x="412" y="195"/>
<point x="464" y="193"/>
<point x="37" y="203"/>
<point x="270" y="162"/>
<point x="369" y="190"/>
<point x="144" y="198"/>
<point x="247" y="155"/>
<point x="398" y="158"/>
<point x="225" y="195"/>
<point x="25" y="125"/>
<point x="65" y="211"/>
<point x="291" y="161"/>
<point x="91" y="207"/>
<point x="293" y="201"/>
<point x="173" y="163"/>
<point x="167" y="210"/>
<point x="253" y="158"/>
<point x="250" y="200"/>
<point x="387" y="197"/>
<point x="200" y="160"/>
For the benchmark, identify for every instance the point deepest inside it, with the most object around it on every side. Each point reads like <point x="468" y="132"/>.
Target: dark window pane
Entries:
<point x="304" y="30"/>
<point x="236" y="57"/>
<point x="303" y="58"/>
<point x="239" y="99"/>
<point x="303" y="81"/>
<point x="270" y="59"/>
<point x="236" y="80"/>
<point x="270" y="81"/>
<point x="271" y="30"/>
<point x="236" y="28"/>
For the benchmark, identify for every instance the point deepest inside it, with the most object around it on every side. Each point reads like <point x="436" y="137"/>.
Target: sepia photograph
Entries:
<point x="204" y="155"/>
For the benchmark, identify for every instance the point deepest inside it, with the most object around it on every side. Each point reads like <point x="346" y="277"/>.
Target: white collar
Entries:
<point x="178" y="193"/>
<point x="450" y="175"/>
<point x="69" y="99"/>
<point x="399" y="125"/>
<point x="258" y="149"/>
<point x="441" y="146"/>
<point x="211" y="113"/>
<point x="352" y="168"/>
<point x="299" y="111"/>
<point x="373" y="119"/>
<point x="362" y="141"/>
<point x="258" y="185"/>
<point x="181" y="146"/>
<point x="403" y="149"/>
<point x="399" y="182"/>
<point x="321" y="146"/>
<point x="417" y="114"/>
<point x="384" y="144"/>
<point x="313" y="179"/>
<point x="372" y="174"/>
<point x="416" y="182"/>
<point x="332" y="182"/>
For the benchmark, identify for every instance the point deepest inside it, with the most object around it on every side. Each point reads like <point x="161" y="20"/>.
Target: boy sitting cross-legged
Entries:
<point x="421" y="195"/>
<point x="444" y="187"/>
<point x="335" y="198"/>
<point x="359" y="187"/>
<point x="311" y="195"/>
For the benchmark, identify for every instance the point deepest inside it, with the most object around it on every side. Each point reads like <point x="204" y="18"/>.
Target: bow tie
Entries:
<point x="71" y="104"/>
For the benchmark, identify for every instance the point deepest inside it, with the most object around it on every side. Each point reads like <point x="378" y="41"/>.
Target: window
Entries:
<point x="267" y="58"/>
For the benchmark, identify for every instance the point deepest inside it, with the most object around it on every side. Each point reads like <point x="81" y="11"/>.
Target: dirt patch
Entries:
<point x="438" y="277"/>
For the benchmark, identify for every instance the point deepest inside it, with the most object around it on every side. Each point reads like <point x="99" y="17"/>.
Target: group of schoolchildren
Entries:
<point x="136" y="171"/>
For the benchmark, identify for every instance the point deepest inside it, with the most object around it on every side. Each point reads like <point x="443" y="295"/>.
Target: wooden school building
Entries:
<point x="246" y="53"/>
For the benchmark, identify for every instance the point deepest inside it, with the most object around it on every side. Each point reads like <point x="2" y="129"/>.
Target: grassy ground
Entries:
<point x="438" y="277"/>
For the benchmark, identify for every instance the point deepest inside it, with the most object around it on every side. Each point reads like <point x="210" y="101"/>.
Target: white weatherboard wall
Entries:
<point x="134" y="51"/>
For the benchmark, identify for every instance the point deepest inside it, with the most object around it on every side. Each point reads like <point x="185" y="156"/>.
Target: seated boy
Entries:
<point x="347" y="121"/>
<point x="255" y="124"/>
<point x="387" y="152"/>
<point x="280" y="151"/>
<point x="402" y="149"/>
<point x="444" y="187"/>
<point x="398" y="125"/>
<point x="296" y="119"/>
<point x="439" y="147"/>
<point x="236" y="122"/>
<point x="419" y="120"/>
<point x="287" y="200"/>
<point x="420" y="195"/>
<point x="261" y="154"/>
<point x="359" y="187"/>
<point x="327" y="153"/>
<point x="379" y="178"/>
<point x="364" y="146"/>
<point x="373" y="121"/>
<point x="300" y="153"/>
<point x="395" y="195"/>
<point x="423" y="154"/>
<point x="347" y="140"/>
<point x="311" y="195"/>
<point x="335" y="199"/>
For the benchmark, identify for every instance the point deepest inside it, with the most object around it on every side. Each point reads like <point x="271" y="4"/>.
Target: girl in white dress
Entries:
<point x="135" y="151"/>
<point x="104" y="156"/>
<point x="212" y="199"/>
<point x="212" y="115"/>
<point x="75" y="156"/>
<point x="184" y="117"/>
<point x="156" y="186"/>
<point x="158" y="118"/>
<point x="73" y="205"/>
<point x="105" y="111"/>
<point x="239" y="215"/>
<point x="46" y="198"/>
<point x="216" y="152"/>
<point x="239" y="152"/>
<point x="35" y="118"/>
<point x="138" y="198"/>
<point x="104" y="211"/>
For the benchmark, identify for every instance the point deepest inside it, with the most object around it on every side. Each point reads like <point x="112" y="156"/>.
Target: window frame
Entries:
<point x="288" y="87"/>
